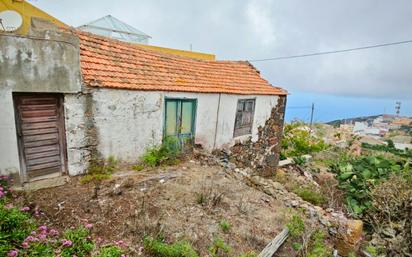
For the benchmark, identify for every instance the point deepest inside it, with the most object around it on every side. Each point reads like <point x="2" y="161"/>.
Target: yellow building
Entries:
<point x="27" y="11"/>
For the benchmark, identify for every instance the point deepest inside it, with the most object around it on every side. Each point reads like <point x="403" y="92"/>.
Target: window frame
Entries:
<point x="247" y="129"/>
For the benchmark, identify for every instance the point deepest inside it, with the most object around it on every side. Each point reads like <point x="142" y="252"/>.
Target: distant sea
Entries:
<point x="332" y="107"/>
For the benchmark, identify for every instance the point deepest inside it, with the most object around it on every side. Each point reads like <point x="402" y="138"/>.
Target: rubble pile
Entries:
<point x="262" y="155"/>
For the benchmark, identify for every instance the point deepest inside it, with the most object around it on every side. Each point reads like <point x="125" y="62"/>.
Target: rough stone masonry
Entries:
<point x="262" y="155"/>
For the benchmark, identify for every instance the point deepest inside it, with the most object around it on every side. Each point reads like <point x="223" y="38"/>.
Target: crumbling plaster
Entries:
<point x="127" y="122"/>
<point x="43" y="61"/>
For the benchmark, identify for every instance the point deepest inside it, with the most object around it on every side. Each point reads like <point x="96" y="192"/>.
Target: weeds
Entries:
<point x="310" y="195"/>
<point x="100" y="170"/>
<point x="225" y="226"/>
<point x="111" y="251"/>
<point x="219" y="247"/>
<point x="307" y="241"/>
<point x="166" y="153"/>
<point x="161" y="249"/>
<point x="78" y="241"/>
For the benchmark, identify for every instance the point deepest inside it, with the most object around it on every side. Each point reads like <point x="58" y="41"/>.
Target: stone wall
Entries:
<point x="263" y="154"/>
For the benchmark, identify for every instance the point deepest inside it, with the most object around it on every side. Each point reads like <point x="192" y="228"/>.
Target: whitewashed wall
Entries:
<point x="130" y="121"/>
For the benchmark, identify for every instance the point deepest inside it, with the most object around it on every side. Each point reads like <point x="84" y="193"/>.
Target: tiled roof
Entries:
<point x="110" y="63"/>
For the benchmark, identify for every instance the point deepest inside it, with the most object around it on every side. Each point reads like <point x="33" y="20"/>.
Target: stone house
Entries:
<point x="68" y="96"/>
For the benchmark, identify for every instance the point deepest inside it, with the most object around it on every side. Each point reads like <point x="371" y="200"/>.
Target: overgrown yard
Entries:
<point x="187" y="204"/>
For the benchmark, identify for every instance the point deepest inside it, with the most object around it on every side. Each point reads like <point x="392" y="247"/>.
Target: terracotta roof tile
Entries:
<point x="110" y="63"/>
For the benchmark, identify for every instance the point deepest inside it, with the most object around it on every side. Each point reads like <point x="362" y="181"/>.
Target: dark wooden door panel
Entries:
<point x="40" y="129"/>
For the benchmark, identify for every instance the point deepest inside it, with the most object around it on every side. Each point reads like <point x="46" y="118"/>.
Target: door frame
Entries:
<point x="194" y="113"/>
<point x="61" y="128"/>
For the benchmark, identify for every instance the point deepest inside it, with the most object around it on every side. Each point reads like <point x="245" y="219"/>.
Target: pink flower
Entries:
<point x="66" y="242"/>
<point x="42" y="236"/>
<point x="89" y="226"/>
<point x="33" y="233"/>
<point x="25" y="245"/>
<point x="25" y="208"/>
<point x="42" y="228"/>
<point x="53" y="232"/>
<point x="120" y="243"/>
<point x="8" y="206"/>
<point x="12" y="253"/>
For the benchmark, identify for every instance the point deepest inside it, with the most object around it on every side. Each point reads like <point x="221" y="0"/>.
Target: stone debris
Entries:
<point x="347" y="233"/>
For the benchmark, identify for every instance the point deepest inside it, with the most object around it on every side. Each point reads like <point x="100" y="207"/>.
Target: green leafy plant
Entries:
<point x="298" y="140"/>
<point x="76" y="242"/>
<point x="167" y="153"/>
<point x="317" y="246"/>
<point x="15" y="226"/>
<point x="219" y="246"/>
<point x="358" y="177"/>
<point x="161" y="249"/>
<point x="225" y="225"/>
<point x="296" y="226"/>
<point x="110" y="251"/>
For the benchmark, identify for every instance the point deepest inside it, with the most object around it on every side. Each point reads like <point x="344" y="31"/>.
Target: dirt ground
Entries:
<point x="186" y="201"/>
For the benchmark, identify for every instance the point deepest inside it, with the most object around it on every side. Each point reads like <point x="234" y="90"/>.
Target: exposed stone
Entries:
<point x="349" y="236"/>
<point x="262" y="155"/>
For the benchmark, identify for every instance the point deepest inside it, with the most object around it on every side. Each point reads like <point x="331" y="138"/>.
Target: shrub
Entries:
<point x="161" y="249"/>
<point x="389" y="217"/>
<point x="310" y="195"/>
<point x="167" y="152"/>
<point x="296" y="226"/>
<point x="110" y="251"/>
<point x="358" y="177"/>
<point x="15" y="226"/>
<point x="219" y="246"/>
<point x="225" y="225"/>
<point x="317" y="246"/>
<point x="76" y="242"/>
<point x="298" y="140"/>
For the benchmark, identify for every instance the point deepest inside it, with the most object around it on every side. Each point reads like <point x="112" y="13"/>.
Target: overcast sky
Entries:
<point x="255" y="29"/>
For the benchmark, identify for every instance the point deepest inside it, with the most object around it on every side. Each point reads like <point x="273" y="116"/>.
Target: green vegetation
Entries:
<point x="390" y="148"/>
<point x="219" y="247"/>
<point x="225" y="225"/>
<point x="248" y="254"/>
<point x="310" y="194"/>
<point x="80" y="245"/>
<point x="161" y="249"/>
<point x="20" y="234"/>
<point x="358" y="176"/>
<point x="167" y="153"/>
<point x="111" y="251"/>
<point x="297" y="140"/>
<point x="100" y="170"/>
<point x="317" y="246"/>
<point x="307" y="241"/>
<point x="296" y="226"/>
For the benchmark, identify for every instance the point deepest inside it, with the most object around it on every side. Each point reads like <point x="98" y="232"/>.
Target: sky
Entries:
<point x="341" y="85"/>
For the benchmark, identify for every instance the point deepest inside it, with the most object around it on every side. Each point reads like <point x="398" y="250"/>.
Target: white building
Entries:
<point x="73" y="97"/>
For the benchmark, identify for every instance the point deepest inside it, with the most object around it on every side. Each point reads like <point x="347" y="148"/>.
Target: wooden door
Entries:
<point x="40" y="133"/>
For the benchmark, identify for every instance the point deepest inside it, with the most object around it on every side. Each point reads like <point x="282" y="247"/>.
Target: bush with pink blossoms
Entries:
<point x="20" y="236"/>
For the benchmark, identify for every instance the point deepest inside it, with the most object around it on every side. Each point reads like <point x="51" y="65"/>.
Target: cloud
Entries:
<point x="257" y="29"/>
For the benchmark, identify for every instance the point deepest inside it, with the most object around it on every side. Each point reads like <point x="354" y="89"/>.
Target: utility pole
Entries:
<point x="311" y="115"/>
<point x="398" y="108"/>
